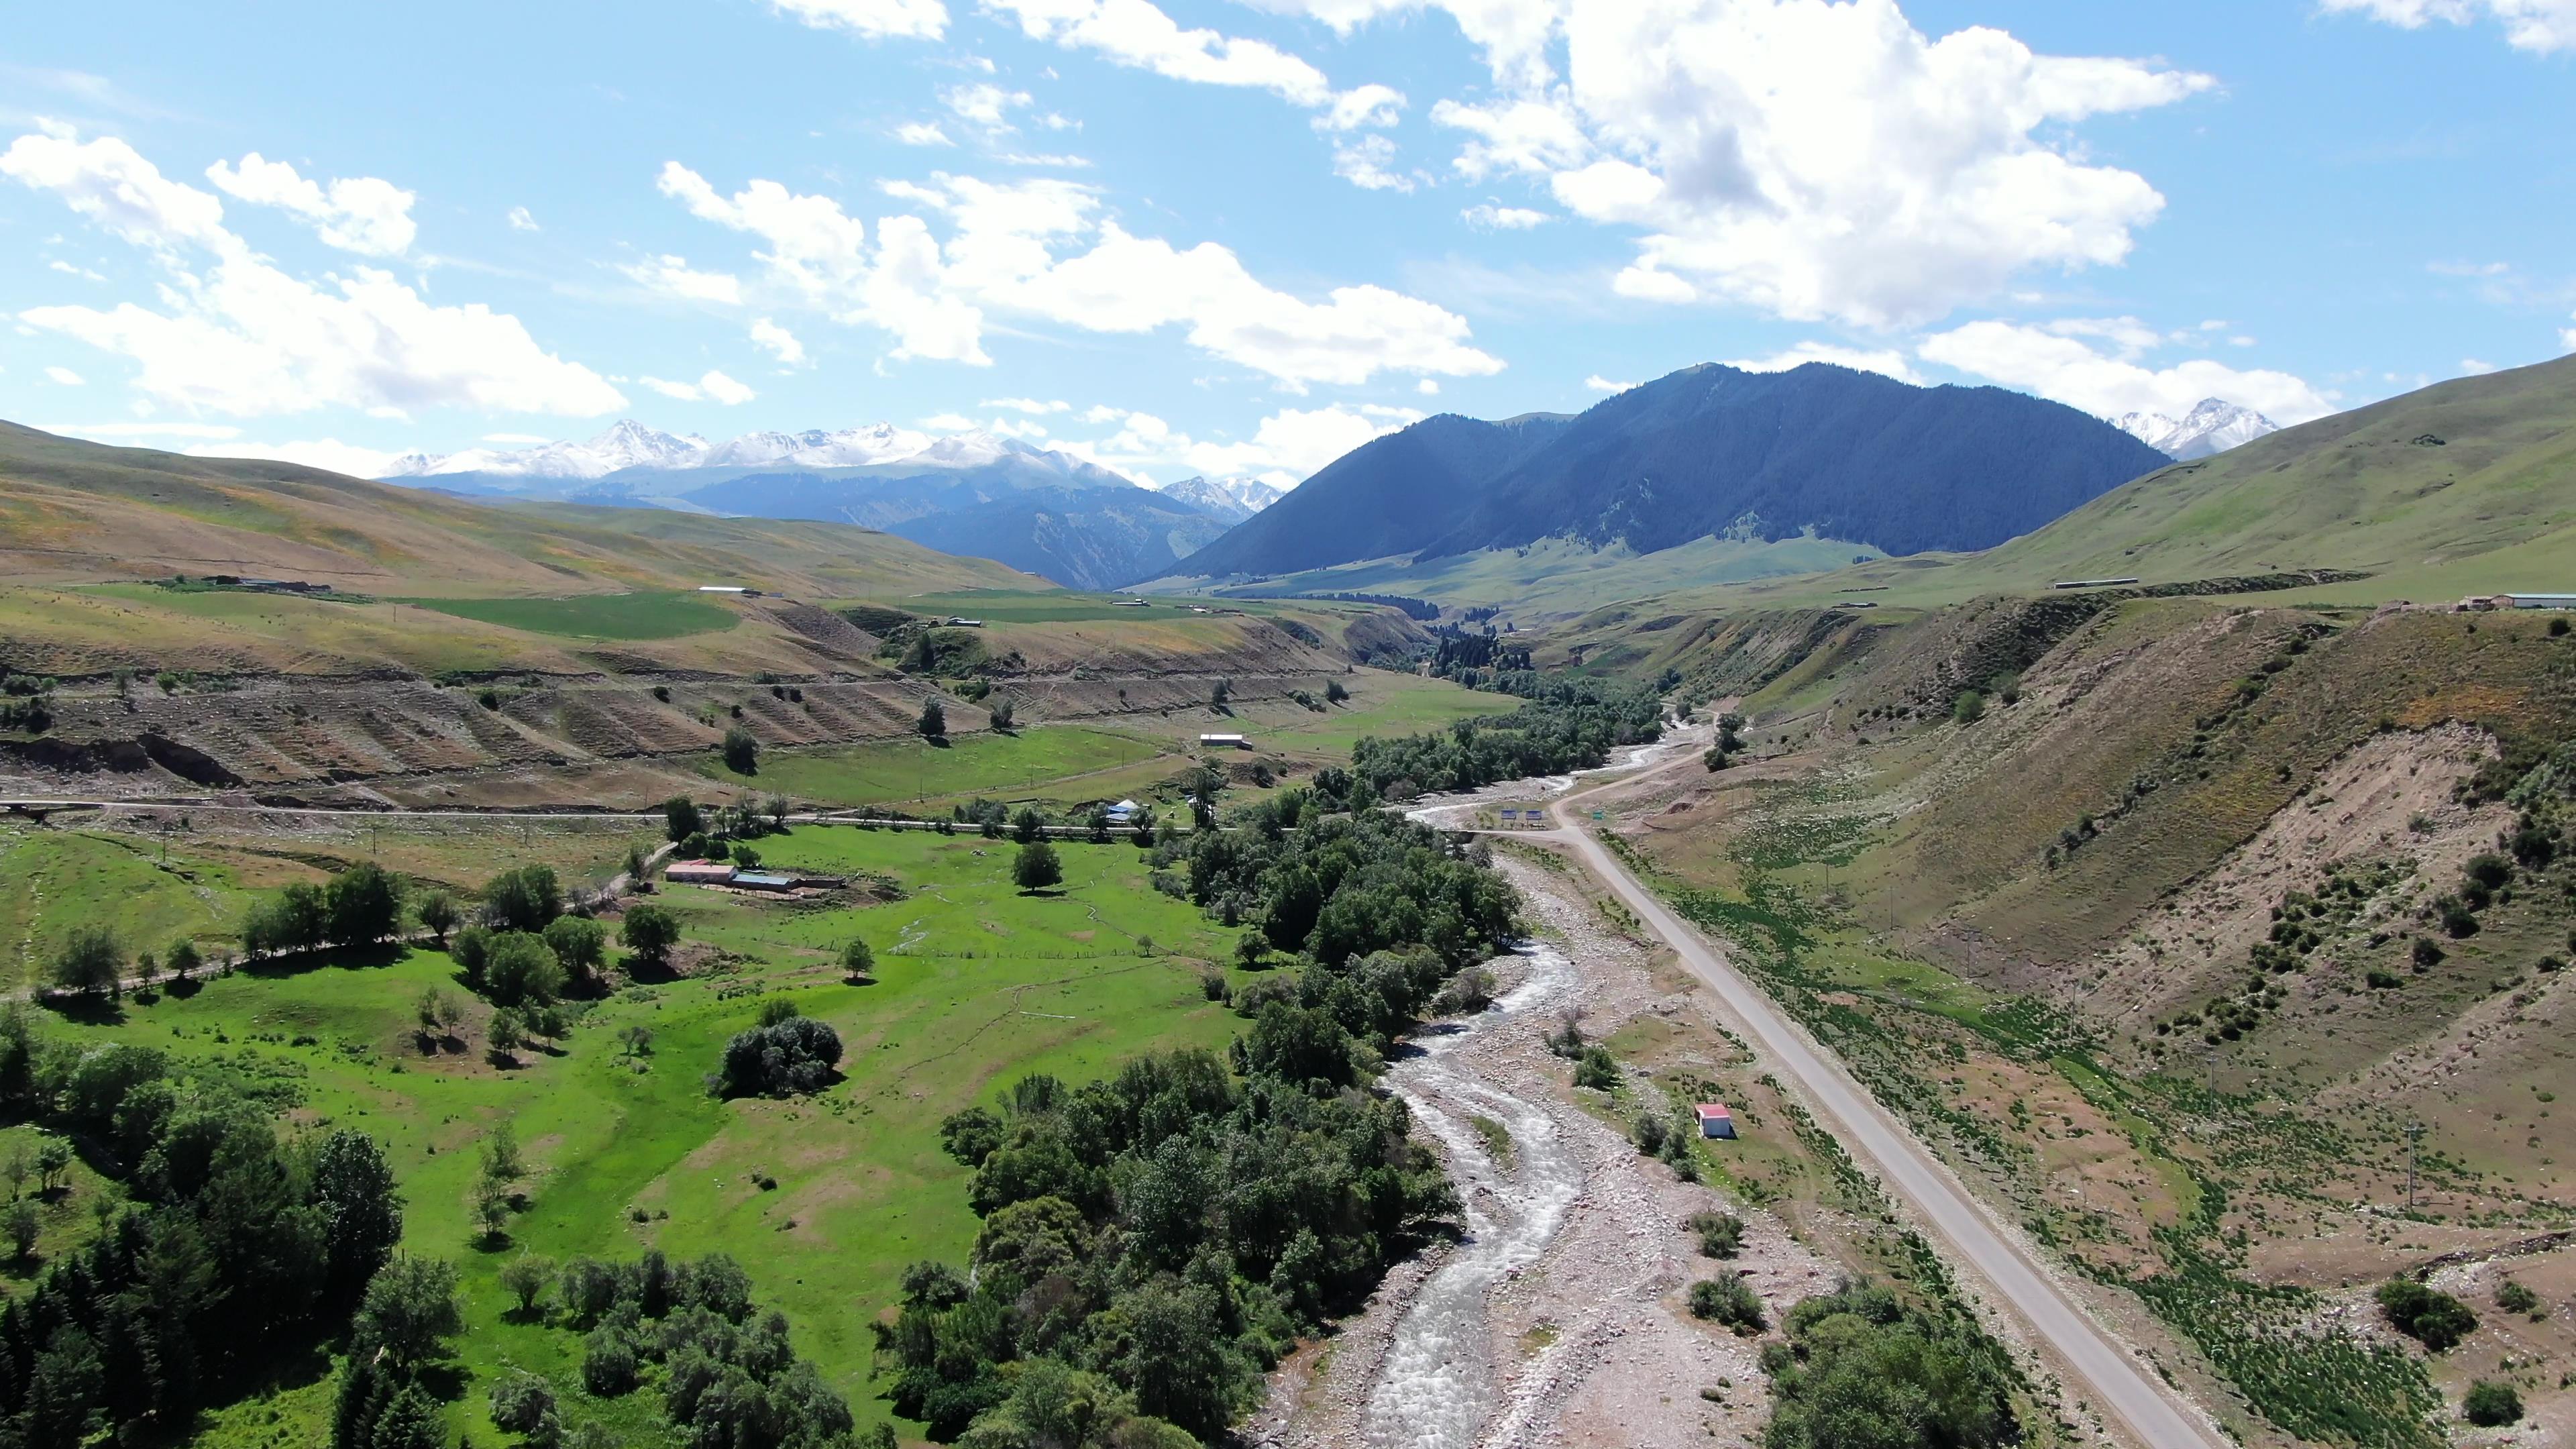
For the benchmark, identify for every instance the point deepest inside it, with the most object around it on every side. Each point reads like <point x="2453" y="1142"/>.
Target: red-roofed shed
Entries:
<point x="1715" y="1120"/>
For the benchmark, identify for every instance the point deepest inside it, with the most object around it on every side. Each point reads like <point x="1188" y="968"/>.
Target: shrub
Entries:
<point x="792" y="1056"/>
<point x="741" y="751"/>
<point x="2427" y="953"/>
<point x="1731" y="1301"/>
<point x="1004" y="714"/>
<point x="1650" y="1132"/>
<point x="1596" y="1070"/>
<point x="1969" y="707"/>
<point x="2490" y="1404"/>
<point x="608" y="1365"/>
<point x="2515" y="1298"/>
<point x="523" y="1404"/>
<point x="2435" y="1319"/>
<point x="1037" y="867"/>
<point x="1721" y="1235"/>
<point x="2384" y="980"/>
<point x="1468" y="993"/>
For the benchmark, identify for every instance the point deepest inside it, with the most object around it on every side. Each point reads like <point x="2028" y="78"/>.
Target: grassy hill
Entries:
<point x="72" y="511"/>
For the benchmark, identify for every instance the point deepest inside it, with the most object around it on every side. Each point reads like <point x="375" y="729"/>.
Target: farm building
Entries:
<point x="1715" y="1120"/>
<point x="956" y="622"/>
<point x="1124" y="812"/>
<point x="700" y="872"/>
<point x="763" y="880"/>
<point x="1224" y="742"/>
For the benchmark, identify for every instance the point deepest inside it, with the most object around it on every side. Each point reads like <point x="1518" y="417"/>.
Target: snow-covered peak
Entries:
<point x="815" y="448"/>
<point x="632" y="445"/>
<point x="627" y="444"/>
<point x="2212" y="426"/>
<point x="1230" y="499"/>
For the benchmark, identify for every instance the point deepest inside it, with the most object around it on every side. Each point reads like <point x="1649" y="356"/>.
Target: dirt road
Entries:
<point x="2129" y="1392"/>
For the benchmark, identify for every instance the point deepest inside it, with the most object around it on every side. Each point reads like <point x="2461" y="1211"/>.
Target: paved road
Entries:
<point x="2113" y="1380"/>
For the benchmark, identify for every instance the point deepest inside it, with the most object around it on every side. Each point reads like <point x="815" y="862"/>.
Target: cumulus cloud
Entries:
<point x="1029" y="405"/>
<point x="713" y="387"/>
<point x="1286" y="447"/>
<point x="2058" y="362"/>
<point x="520" y="220"/>
<point x="1011" y="247"/>
<point x="2542" y="26"/>
<point x="1365" y="162"/>
<point x="922" y="133"/>
<point x="328" y="454"/>
<point x="874" y="19"/>
<point x="1513" y="34"/>
<point x="244" y="337"/>
<point x="64" y="377"/>
<point x="1598" y="383"/>
<point x="1137" y="33"/>
<point x="1885" y="361"/>
<point x="672" y="277"/>
<point x="778" y="342"/>
<point x="984" y="104"/>
<point x="359" y="214"/>
<point x="1487" y="216"/>
<point x="1362" y="106"/>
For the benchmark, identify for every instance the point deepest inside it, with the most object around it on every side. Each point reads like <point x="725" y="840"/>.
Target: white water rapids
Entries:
<point x="1435" y="1385"/>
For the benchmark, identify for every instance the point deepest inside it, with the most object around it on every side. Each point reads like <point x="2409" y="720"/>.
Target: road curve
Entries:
<point x="2153" y="1414"/>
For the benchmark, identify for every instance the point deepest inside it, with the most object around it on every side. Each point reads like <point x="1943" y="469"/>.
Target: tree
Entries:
<point x="1334" y="693"/>
<point x="506" y="1035"/>
<point x="741" y="751"/>
<point x="777" y="808"/>
<point x="525" y="1404"/>
<point x="858" y="961"/>
<point x="1037" y="867"/>
<point x="501" y="1155"/>
<point x="681" y="818"/>
<point x="1731" y="1301"/>
<point x="53" y="1163"/>
<point x="650" y="932"/>
<point x="580" y="944"/>
<point x="521" y="968"/>
<point x="2490" y="1404"/>
<point x="1099" y="824"/>
<point x="792" y="1055"/>
<point x="635" y="1041"/>
<point x="182" y="958"/>
<point x="438" y="914"/>
<point x="24" y="1226"/>
<point x="1142" y="823"/>
<point x="409" y="1312"/>
<point x="1004" y="714"/>
<point x="364" y="903"/>
<point x="525" y="899"/>
<point x="934" y="720"/>
<point x="525" y="1278"/>
<point x="1969" y="707"/>
<point x="1220" y="693"/>
<point x="90" y="962"/>
<point x="2435" y="1319"/>
<point x="362" y="1217"/>
<point x="1028" y="825"/>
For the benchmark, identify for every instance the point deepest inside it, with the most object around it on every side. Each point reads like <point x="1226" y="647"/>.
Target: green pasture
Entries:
<point x="642" y="615"/>
<point x="977" y="984"/>
<point x="52" y="881"/>
<point x="914" y="770"/>
<point x="1065" y="606"/>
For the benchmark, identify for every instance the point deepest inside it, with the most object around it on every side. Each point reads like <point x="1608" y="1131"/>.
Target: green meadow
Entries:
<point x="642" y="615"/>
<point x="914" y="770"/>
<point x="824" y="1200"/>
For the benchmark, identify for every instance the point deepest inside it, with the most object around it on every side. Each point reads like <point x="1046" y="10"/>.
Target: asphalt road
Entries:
<point x="2111" y="1378"/>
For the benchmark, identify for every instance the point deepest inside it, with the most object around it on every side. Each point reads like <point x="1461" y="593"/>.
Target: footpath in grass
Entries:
<point x="643" y="615"/>
<point x="824" y="1200"/>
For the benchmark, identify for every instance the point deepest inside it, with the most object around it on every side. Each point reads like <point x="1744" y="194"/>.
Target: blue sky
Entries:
<point x="1241" y="237"/>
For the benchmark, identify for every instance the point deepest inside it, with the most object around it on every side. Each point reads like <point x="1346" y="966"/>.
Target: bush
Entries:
<point x="741" y="751"/>
<point x="792" y="1056"/>
<point x="2489" y="1404"/>
<point x="523" y="1404"/>
<point x="1731" y="1301"/>
<point x="1862" y="1369"/>
<point x="2515" y="1298"/>
<point x="1037" y="867"/>
<point x="608" y="1366"/>
<point x="1005" y="714"/>
<point x="2427" y="953"/>
<point x="1650" y="1132"/>
<point x="2434" y="1319"/>
<point x="1721" y="1235"/>
<point x="1596" y="1070"/>
<point x="1969" y="707"/>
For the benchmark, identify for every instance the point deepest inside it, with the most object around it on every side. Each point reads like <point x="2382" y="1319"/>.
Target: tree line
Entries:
<point x="1568" y="724"/>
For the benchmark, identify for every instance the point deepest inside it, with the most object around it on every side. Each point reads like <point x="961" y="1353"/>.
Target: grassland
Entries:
<point x="646" y="614"/>
<point x="977" y="984"/>
<point x="915" y="772"/>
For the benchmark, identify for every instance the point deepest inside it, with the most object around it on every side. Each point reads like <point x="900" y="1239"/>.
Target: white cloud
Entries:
<point x="714" y="387"/>
<point x="984" y="104"/>
<point x="328" y="454"/>
<point x="1513" y="34"/>
<point x="672" y="277"/>
<point x="922" y="133"/>
<point x="112" y="432"/>
<point x="1016" y="428"/>
<point x="1043" y="158"/>
<point x="520" y="220"/>
<point x="1812" y="160"/>
<point x="1137" y="33"/>
<point x="1428" y="387"/>
<point x="359" y="214"/>
<point x="1028" y="405"/>
<point x="2468" y="269"/>
<point x="1885" y="361"/>
<point x="2068" y="369"/>
<point x="514" y="439"/>
<point x="949" y="423"/>
<point x="2567" y="339"/>
<point x="64" y="377"/>
<point x="244" y="337"/>
<point x="875" y="19"/>
<point x="1363" y="162"/>
<point x="1598" y="383"/>
<point x="778" y="341"/>
<point x="1002" y="255"/>
<point x="1286" y="447"/>
<point x="2473" y="367"/>
<point x="67" y="269"/>
<point x="1487" y="216"/>
<point x="1360" y="107"/>
<point x="2534" y="25"/>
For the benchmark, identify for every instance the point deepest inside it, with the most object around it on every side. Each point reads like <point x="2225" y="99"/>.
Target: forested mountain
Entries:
<point x="1708" y="451"/>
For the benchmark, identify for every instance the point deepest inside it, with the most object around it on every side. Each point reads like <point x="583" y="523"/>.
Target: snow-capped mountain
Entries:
<point x="1231" y="499"/>
<point x="629" y="444"/>
<point x="815" y="448"/>
<point x="2212" y="426"/>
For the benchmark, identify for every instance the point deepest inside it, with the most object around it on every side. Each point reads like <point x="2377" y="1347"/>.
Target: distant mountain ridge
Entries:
<point x="1707" y="452"/>
<point x="975" y="493"/>
<point x="2212" y="426"/>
